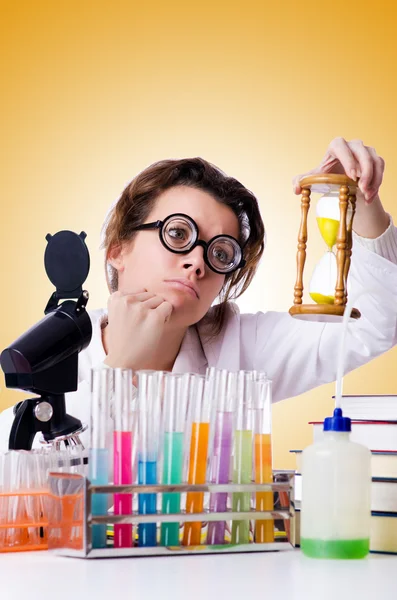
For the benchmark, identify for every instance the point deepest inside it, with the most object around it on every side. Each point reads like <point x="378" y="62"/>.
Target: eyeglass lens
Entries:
<point x="180" y="235"/>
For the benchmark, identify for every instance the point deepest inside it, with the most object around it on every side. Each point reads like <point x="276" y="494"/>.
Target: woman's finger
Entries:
<point x="338" y="159"/>
<point x="142" y="297"/>
<point x="295" y="184"/>
<point x="342" y="151"/>
<point x="134" y="293"/>
<point x="153" y="302"/>
<point x="377" y="178"/>
<point x="366" y="165"/>
<point x="165" y="310"/>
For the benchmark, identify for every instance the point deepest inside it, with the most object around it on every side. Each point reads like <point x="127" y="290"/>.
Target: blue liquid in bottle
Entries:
<point x="147" y="474"/>
<point x="99" y="475"/>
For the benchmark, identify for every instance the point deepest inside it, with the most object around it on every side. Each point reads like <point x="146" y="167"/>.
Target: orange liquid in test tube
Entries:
<point x="264" y="530"/>
<point x="197" y="474"/>
<point x="15" y="532"/>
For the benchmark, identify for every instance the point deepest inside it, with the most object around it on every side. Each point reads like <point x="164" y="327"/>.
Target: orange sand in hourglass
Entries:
<point x="197" y="475"/>
<point x="264" y="530"/>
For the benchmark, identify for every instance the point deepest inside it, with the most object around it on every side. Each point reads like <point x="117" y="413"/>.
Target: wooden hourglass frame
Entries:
<point x="347" y="197"/>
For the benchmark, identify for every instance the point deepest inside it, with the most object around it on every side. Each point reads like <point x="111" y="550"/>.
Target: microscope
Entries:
<point x="44" y="360"/>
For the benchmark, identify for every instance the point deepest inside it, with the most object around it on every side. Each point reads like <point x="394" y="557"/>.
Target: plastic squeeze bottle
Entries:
<point x="336" y="494"/>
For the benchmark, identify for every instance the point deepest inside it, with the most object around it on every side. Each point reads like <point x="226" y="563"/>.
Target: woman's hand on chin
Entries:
<point x="135" y="327"/>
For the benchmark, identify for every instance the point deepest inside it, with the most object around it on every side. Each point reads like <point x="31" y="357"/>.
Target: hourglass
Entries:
<point x="335" y="213"/>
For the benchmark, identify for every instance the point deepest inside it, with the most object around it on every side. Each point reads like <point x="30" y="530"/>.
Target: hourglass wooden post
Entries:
<point x="335" y="306"/>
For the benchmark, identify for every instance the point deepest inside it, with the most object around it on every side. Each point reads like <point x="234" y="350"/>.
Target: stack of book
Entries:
<point x="374" y="425"/>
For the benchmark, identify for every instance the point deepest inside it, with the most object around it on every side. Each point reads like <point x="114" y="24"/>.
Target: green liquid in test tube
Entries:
<point x="242" y="470"/>
<point x="176" y="392"/>
<point x="242" y="456"/>
<point x="172" y="474"/>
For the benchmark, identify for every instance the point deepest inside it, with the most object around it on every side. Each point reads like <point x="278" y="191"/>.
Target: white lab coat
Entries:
<point x="297" y="355"/>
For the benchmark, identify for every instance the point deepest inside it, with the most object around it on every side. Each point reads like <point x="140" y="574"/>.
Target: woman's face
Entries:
<point x="145" y="263"/>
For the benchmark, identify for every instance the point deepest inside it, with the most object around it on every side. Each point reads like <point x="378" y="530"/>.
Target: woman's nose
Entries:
<point x="194" y="261"/>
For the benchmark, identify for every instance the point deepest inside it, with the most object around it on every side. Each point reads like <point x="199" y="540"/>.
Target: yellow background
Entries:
<point x="95" y="91"/>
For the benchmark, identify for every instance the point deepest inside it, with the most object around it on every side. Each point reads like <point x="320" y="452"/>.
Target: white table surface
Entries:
<point x="286" y="575"/>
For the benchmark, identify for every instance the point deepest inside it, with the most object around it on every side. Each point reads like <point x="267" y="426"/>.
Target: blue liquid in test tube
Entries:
<point x="99" y="475"/>
<point x="147" y="474"/>
<point x="101" y="387"/>
<point x="149" y="423"/>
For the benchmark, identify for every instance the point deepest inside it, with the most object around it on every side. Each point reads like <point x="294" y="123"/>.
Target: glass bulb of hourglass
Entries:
<point x="323" y="281"/>
<point x="328" y="217"/>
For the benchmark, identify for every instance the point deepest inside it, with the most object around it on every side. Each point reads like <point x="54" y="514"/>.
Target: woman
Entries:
<point x="183" y="234"/>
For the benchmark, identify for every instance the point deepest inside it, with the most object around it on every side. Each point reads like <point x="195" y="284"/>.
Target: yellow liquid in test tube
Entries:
<point x="264" y="530"/>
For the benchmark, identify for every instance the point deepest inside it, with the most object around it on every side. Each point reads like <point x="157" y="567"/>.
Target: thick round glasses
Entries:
<point x="179" y="233"/>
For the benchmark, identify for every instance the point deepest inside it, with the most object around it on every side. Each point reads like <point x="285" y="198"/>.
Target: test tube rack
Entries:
<point x="70" y="531"/>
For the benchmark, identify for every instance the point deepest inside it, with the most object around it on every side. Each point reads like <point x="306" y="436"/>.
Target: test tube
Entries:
<point x="264" y="530"/>
<point x="212" y="381"/>
<point x="149" y="426"/>
<point x="122" y="452"/>
<point x="242" y="458"/>
<point x="3" y="502"/>
<point x="15" y="489"/>
<point x="199" y="425"/>
<point x="225" y="401"/>
<point x="101" y="389"/>
<point x="70" y="533"/>
<point x="174" y="422"/>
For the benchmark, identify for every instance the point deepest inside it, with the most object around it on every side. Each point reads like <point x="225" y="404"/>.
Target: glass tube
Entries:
<point x="224" y="399"/>
<point x="198" y="428"/>
<point x="242" y="455"/>
<point x="264" y="530"/>
<point x="122" y="452"/>
<point x="101" y="389"/>
<point x="149" y="427"/>
<point x="174" y="422"/>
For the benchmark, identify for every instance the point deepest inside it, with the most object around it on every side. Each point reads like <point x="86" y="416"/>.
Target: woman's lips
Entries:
<point x="187" y="287"/>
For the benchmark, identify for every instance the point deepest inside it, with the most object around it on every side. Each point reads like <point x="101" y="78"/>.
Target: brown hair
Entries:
<point x="139" y="198"/>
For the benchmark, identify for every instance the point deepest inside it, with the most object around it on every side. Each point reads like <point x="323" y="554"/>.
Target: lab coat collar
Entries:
<point x="191" y="357"/>
<point x="223" y="351"/>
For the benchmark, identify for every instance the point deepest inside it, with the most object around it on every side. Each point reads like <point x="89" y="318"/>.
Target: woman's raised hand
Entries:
<point x="135" y="327"/>
<point x="356" y="161"/>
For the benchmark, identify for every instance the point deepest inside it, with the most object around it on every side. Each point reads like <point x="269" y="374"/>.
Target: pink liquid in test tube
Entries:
<point x="123" y="453"/>
<point x="122" y="449"/>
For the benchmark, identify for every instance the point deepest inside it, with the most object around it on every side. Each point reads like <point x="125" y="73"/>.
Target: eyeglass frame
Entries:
<point x="205" y="245"/>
